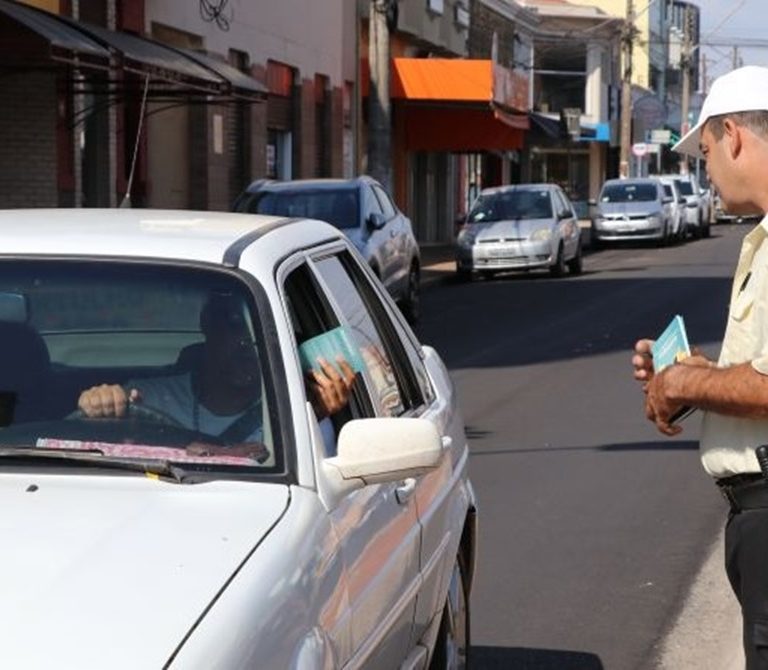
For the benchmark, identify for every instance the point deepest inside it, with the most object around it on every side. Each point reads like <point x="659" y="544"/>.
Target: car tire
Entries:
<point x="464" y="275"/>
<point x="576" y="264"/>
<point x="411" y="306"/>
<point x="453" y="642"/>
<point x="705" y="230"/>
<point x="558" y="267"/>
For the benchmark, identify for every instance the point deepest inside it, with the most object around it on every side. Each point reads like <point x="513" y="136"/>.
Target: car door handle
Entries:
<point x="405" y="490"/>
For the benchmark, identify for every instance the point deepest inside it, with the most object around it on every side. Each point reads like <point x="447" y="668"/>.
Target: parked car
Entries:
<point x="721" y="215"/>
<point x="632" y="209"/>
<point x="364" y="211"/>
<point x="520" y="227"/>
<point x="697" y="204"/>
<point x="679" y="223"/>
<point x="160" y="539"/>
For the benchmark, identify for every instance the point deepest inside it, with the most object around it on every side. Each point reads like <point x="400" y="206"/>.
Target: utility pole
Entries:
<point x="704" y="74"/>
<point x="626" y="90"/>
<point x="379" y="108"/>
<point x="735" y="61"/>
<point x="686" y="72"/>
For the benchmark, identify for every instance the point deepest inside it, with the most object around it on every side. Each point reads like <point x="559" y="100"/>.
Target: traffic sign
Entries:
<point x="660" y="136"/>
<point x="640" y="149"/>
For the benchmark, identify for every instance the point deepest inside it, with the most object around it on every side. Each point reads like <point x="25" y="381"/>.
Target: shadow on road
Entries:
<point x="518" y="658"/>
<point x="525" y="321"/>
<point x="669" y="445"/>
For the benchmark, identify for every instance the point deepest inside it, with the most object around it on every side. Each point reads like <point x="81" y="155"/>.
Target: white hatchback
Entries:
<point x="219" y="514"/>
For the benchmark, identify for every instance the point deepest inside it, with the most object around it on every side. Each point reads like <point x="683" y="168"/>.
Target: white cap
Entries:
<point x="741" y="90"/>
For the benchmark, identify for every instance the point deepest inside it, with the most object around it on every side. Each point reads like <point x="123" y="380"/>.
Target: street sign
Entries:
<point x="640" y="149"/>
<point x="660" y="136"/>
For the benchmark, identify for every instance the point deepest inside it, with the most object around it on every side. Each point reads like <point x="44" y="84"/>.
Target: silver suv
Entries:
<point x="362" y="209"/>
<point x="632" y="209"/>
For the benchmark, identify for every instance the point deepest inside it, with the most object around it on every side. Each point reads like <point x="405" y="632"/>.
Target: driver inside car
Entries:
<point x="222" y="397"/>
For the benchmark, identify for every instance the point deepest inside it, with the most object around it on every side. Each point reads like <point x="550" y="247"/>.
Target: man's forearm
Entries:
<point x="738" y="390"/>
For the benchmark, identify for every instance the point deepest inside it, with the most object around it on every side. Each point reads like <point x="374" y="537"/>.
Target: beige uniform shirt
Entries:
<point x="728" y="443"/>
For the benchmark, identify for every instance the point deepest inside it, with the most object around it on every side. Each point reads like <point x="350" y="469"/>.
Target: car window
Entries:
<point x="66" y="327"/>
<point x="394" y="385"/>
<point x="370" y="203"/>
<point x="668" y="191"/>
<point x="511" y="205"/>
<point x="386" y="204"/>
<point x="629" y="193"/>
<point x="686" y="188"/>
<point x="562" y="202"/>
<point x="339" y="207"/>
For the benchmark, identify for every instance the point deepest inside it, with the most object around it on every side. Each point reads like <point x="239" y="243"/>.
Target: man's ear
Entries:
<point x="733" y="137"/>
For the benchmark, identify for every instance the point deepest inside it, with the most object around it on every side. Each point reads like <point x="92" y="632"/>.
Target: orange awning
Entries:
<point x="443" y="79"/>
<point x="457" y="104"/>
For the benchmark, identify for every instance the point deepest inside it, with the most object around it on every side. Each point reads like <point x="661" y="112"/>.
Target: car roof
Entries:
<point x="631" y="180"/>
<point x="517" y="187"/>
<point x="142" y="233"/>
<point x="307" y="184"/>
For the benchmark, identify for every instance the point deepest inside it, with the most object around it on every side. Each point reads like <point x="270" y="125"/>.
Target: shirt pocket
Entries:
<point x="743" y="304"/>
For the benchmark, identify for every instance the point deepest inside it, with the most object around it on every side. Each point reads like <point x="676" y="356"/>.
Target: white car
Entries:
<point x="227" y="528"/>
<point x="519" y="227"/>
<point x="677" y="206"/>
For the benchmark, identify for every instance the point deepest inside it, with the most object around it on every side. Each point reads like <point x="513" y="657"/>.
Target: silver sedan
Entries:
<point x="520" y="227"/>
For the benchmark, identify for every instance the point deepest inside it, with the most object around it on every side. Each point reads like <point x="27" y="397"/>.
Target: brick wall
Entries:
<point x="28" y="175"/>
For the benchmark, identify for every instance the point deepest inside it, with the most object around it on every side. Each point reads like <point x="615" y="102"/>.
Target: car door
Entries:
<point x="380" y="243"/>
<point x="398" y="235"/>
<point x="406" y="382"/>
<point x="568" y="226"/>
<point x="377" y="526"/>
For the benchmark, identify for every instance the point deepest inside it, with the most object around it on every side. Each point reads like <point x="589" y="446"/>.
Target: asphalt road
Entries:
<point x="593" y="526"/>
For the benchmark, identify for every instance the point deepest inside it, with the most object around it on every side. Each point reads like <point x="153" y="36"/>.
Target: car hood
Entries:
<point x="608" y="208"/>
<point x="114" y="571"/>
<point x="508" y="230"/>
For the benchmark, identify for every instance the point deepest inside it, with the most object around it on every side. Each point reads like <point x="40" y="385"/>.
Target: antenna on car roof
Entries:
<point x="126" y="202"/>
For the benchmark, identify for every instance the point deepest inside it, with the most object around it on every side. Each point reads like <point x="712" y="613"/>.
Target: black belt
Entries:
<point x="747" y="491"/>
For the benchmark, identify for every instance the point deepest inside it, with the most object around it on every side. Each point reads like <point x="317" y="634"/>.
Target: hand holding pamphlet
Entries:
<point x="672" y="347"/>
<point x="330" y="345"/>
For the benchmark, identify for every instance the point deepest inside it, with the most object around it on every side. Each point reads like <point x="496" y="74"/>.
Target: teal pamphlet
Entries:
<point x="336" y="342"/>
<point x="671" y="346"/>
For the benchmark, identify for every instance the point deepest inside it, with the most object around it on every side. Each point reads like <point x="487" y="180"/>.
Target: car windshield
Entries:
<point x="686" y="188"/>
<point x="339" y="207"/>
<point x="185" y="344"/>
<point x="628" y="193"/>
<point x="511" y="205"/>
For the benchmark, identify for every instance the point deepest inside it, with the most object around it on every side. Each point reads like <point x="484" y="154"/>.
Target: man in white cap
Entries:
<point x="732" y="136"/>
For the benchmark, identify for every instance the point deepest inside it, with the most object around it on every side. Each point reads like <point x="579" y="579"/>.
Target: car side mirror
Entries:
<point x="681" y="201"/>
<point x="379" y="450"/>
<point x="592" y="202"/>
<point x="666" y="200"/>
<point x="564" y="214"/>
<point x="376" y="221"/>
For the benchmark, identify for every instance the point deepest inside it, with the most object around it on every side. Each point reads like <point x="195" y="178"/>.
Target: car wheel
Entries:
<point x="452" y="646"/>
<point x="464" y="275"/>
<point x="575" y="265"/>
<point x="557" y="269"/>
<point x="594" y="241"/>
<point x="705" y="230"/>
<point x="412" y="302"/>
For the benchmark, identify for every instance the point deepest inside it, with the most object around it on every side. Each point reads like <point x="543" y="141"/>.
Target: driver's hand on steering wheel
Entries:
<point x="107" y="400"/>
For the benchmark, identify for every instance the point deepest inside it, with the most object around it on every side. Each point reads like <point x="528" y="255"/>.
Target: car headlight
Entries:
<point x="466" y="237"/>
<point x="654" y="220"/>
<point x="541" y="235"/>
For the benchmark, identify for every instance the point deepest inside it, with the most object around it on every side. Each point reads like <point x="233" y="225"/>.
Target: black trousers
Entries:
<point x="746" y="563"/>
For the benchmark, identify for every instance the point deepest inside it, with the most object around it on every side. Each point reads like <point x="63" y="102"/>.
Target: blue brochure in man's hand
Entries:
<point x="330" y="345"/>
<point x="671" y="346"/>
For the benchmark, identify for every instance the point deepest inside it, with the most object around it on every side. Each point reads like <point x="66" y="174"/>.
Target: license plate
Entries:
<point x="501" y="253"/>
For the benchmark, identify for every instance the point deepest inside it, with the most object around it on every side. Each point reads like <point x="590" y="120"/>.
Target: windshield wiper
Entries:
<point x="94" y="458"/>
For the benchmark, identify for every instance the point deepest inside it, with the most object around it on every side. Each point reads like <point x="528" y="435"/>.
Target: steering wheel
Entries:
<point x="134" y="411"/>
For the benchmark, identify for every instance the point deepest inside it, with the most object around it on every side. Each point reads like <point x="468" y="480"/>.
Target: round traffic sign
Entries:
<point x="640" y="149"/>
